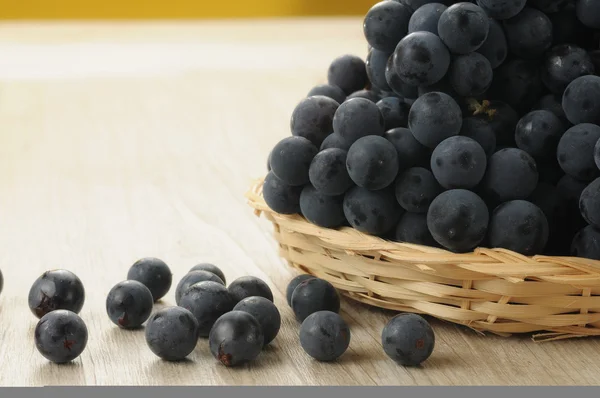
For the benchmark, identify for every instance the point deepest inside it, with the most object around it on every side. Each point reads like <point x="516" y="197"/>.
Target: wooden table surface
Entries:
<point x="120" y="141"/>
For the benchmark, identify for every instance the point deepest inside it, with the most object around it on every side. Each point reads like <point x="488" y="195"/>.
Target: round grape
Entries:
<point x="385" y="24"/>
<point x="372" y="162"/>
<point x="519" y="226"/>
<point x="552" y="103"/>
<point x="517" y="82"/>
<point x="327" y="90"/>
<point x="335" y="141"/>
<point x="349" y="73"/>
<point x="411" y="153"/>
<point x="511" y="174"/>
<point x="581" y="100"/>
<point x="502" y="119"/>
<point x="394" y="111"/>
<point x="357" y="118"/>
<point x="502" y="9"/>
<point x="416" y="188"/>
<point x="328" y="173"/>
<point x="576" y="151"/>
<point x="495" y="47"/>
<point x="426" y="17"/>
<point x="421" y="59"/>
<point x="463" y="27"/>
<point x="589" y="203"/>
<point x="586" y="243"/>
<point x="313" y="118"/>
<point x="458" y="220"/>
<point x="538" y="133"/>
<point x="481" y="131"/>
<point x="365" y="94"/>
<point x="323" y="210"/>
<point x="563" y="64"/>
<point x="412" y="228"/>
<point x="433" y="118"/>
<point x="588" y="12"/>
<point x="471" y="74"/>
<point x="396" y="83"/>
<point x="529" y="33"/>
<point x="376" y="64"/>
<point x="372" y="212"/>
<point x="291" y="158"/>
<point x="281" y="197"/>
<point x="458" y="162"/>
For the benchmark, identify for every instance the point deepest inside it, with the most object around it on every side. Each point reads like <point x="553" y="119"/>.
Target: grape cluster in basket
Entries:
<point x="471" y="124"/>
<point x="238" y="320"/>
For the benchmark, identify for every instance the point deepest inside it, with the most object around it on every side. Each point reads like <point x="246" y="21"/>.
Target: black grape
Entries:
<point x="589" y="203"/>
<point x="349" y="73"/>
<point x="425" y="18"/>
<point x="335" y="141"/>
<point x="576" y="151"/>
<point x="281" y="197"/>
<point x="433" y="118"/>
<point x="291" y="158"/>
<point x="552" y="103"/>
<point x="412" y="228"/>
<point x="481" y="131"/>
<point x="323" y="210"/>
<point x="550" y="6"/>
<point x="529" y="34"/>
<point x="586" y="243"/>
<point x="538" y="133"/>
<point x="495" y="47"/>
<point x="372" y="162"/>
<point x="502" y="9"/>
<point x="519" y="226"/>
<point x="366" y="94"/>
<point x="517" y="82"/>
<point x="458" y="162"/>
<point x="511" y="174"/>
<point x="463" y="27"/>
<point x="503" y="120"/>
<point x="356" y="118"/>
<point x="581" y="100"/>
<point x="396" y="83"/>
<point x="471" y="74"/>
<point x="416" y="188"/>
<point x="421" y="59"/>
<point x="313" y="118"/>
<point x="394" y="111"/>
<point x="597" y="154"/>
<point x="372" y="212"/>
<point x="328" y="173"/>
<point x="327" y="90"/>
<point x="563" y="64"/>
<point x="376" y="64"/>
<point x="458" y="220"/>
<point x="411" y="153"/>
<point x="385" y="24"/>
<point x="588" y="12"/>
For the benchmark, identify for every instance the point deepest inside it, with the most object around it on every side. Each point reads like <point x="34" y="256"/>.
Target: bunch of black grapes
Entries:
<point x="468" y="124"/>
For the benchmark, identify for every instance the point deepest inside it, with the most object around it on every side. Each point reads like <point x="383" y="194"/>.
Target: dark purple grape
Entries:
<point x="586" y="243"/>
<point x="416" y="188"/>
<point x="236" y="338"/>
<point x="325" y="336"/>
<point x="563" y="64"/>
<point x="529" y="33"/>
<point x="313" y="118"/>
<point x="323" y="210"/>
<point x="412" y="228"/>
<point x="421" y="59"/>
<point x="588" y="12"/>
<point x="281" y="197"/>
<point x="372" y="212"/>
<point x="385" y="24"/>
<point x="314" y="295"/>
<point x="503" y="120"/>
<point x="411" y="153"/>
<point x="553" y="103"/>
<point x="426" y="17"/>
<point x="481" y="131"/>
<point x="550" y="6"/>
<point x="581" y="100"/>
<point x="328" y="173"/>
<point x="372" y="162"/>
<point x="589" y="203"/>
<point x="463" y="27"/>
<point x="408" y="339"/>
<point x="357" y="118"/>
<point x="327" y="90"/>
<point x="348" y="72"/>
<point x="538" y="133"/>
<point x="366" y="94"/>
<point x="576" y="151"/>
<point x="396" y="83"/>
<point x="502" y="9"/>
<point x="291" y="158"/>
<point x="376" y="65"/>
<point x="335" y="141"/>
<point x="458" y="162"/>
<point x="470" y="75"/>
<point x="495" y="47"/>
<point x="433" y="118"/>
<point x="511" y="174"/>
<point x="394" y="111"/>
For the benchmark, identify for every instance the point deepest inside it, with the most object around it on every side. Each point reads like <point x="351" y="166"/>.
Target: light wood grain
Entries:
<point x="124" y="141"/>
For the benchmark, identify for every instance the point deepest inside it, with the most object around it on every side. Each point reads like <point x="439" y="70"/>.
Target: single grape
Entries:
<point x="411" y="153"/>
<point x="394" y="111"/>
<point x="502" y="9"/>
<point x="538" y="133"/>
<point x="581" y="100"/>
<point x="323" y="210"/>
<point x="265" y="312"/>
<point x="511" y="174"/>
<point x="327" y="90"/>
<point x="291" y="158"/>
<point x="458" y="220"/>
<point x="193" y="277"/>
<point x="586" y="243"/>
<point x="335" y="141"/>
<point x="421" y="59"/>
<point x="385" y="24"/>
<point x="412" y="228"/>
<point x="471" y="74"/>
<point x="463" y="27"/>
<point x="357" y="118"/>
<point x="589" y="203"/>
<point x="236" y="338"/>
<point x="520" y="226"/>
<point x="426" y="17"/>
<point x="563" y="64"/>
<point x="372" y="212"/>
<point x="366" y="94"/>
<point x="529" y="33"/>
<point x="588" y="12"/>
<point x="372" y="162"/>
<point x="576" y="151"/>
<point x="249" y="286"/>
<point x="348" y="72"/>
<point x="314" y="295"/>
<point x="433" y="118"/>
<point x="458" y="162"/>
<point x="281" y="197"/>
<point x="416" y="188"/>
<point x="328" y="173"/>
<point x="481" y="131"/>
<point x="376" y="64"/>
<point x="325" y="336"/>
<point x="517" y="82"/>
<point x="495" y="47"/>
<point x="408" y="339"/>
<point x="553" y="103"/>
<point x="293" y="284"/>
<point x="313" y="118"/>
<point x="397" y="85"/>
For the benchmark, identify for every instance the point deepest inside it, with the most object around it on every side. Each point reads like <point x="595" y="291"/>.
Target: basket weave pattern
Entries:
<point x="492" y="290"/>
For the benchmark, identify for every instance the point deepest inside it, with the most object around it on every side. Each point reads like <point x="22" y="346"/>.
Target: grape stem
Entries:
<point x="481" y="108"/>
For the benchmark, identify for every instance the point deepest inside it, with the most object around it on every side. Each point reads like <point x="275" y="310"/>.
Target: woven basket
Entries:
<point x="492" y="290"/>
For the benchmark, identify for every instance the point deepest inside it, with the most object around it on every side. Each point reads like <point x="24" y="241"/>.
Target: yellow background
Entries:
<point x="153" y="9"/>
